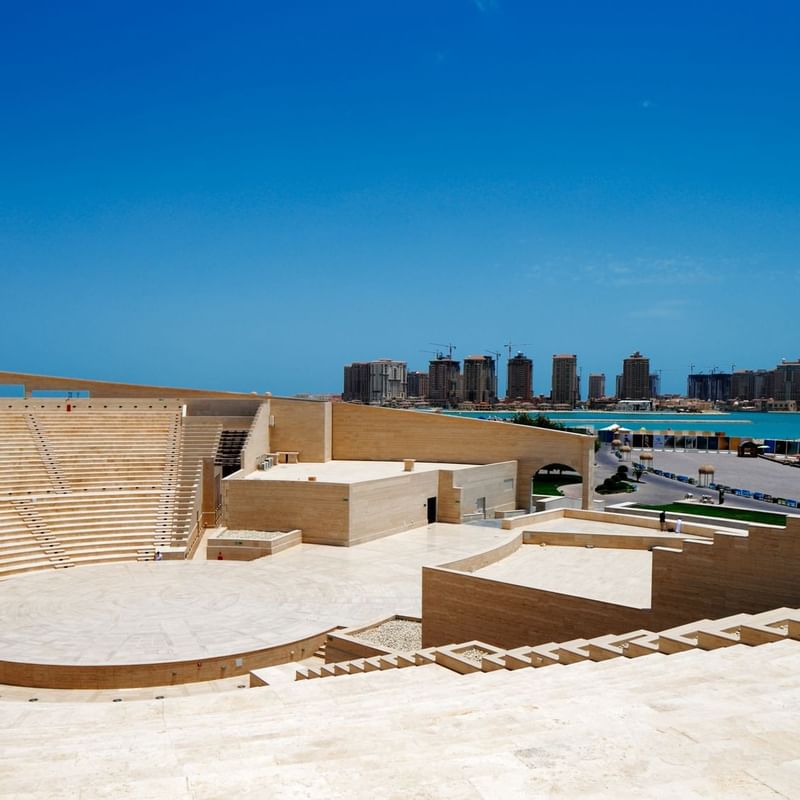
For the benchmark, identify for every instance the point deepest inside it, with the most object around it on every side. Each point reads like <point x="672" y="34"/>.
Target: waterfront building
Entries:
<point x="444" y="379"/>
<point x="636" y="377"/>
<point x="712" y="386"/>
<point x="618" y="386"/>
<point x="520" y="378"/>
<point x="417" y="384"/>
<point x="597" y="385"/>
<point x="787" y="381"/>
<point x="743" y="385"/>
<point x="764" y="383"/>
<point x="655" y="384"/>
<point x="375" y="382"/>
<point x="480" y="379"/>
<point x="564" y="388"/>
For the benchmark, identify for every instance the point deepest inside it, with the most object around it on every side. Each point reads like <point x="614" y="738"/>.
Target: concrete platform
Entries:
<point x="345" y="471"/>
<point x="117" y="615"/>
<point x="610" y="575"/>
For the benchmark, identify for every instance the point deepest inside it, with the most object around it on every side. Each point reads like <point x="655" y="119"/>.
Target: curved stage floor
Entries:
<point x="139" y="624"/>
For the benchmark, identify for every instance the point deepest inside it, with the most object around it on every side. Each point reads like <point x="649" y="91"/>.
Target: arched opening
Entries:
<point x="553" y="480"/>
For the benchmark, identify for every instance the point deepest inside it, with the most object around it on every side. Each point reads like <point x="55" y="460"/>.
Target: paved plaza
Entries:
<point x="613" y="576"/>
<point x="146" y="612"/>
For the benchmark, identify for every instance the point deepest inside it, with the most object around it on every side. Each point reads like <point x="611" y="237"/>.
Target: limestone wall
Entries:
<point x="371" y="433"/>
<point x="303" y="426"/>
<point x="390" y="505"/>
<point x="321" y="510"/>
<point x="729" y="575"/>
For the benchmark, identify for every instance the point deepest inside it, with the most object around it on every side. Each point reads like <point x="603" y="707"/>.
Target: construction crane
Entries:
<point x="496" y="355"/>
<point x="450" y="348"/>
<point x="511" y="345"/>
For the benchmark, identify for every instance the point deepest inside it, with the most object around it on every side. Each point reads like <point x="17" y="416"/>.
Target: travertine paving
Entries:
<point x="146" y="612"/>
<point x="610" y="575"/>
<point x="722" y="724"/>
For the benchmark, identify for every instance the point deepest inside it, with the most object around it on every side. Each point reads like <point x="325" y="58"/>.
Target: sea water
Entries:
<point x="753" y="425"/>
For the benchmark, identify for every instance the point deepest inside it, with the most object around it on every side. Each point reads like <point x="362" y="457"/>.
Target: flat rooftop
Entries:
<point x="345" y="471"/>
<point x="609" y="574"/>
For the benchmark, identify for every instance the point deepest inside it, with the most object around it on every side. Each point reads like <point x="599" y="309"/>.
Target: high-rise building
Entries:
<point x="564" y="388"/>
<point x="444" y="376"/>
<point x="520" y="378"/>
<point x="655" y="384"/>
<point x="597" y="385"/>
<point x="636" y="377"/>
<point x="375" y="382"/>
<point x="787" y="380"/>
<point x="713" y="386"/>
<point x="480" y="379"/>
<point x="764" y="383"/>
<point x="356" y="382"/>
<point x="417" y="384"/>
<point x="743" y="385"/>
<point x="618" y="386"/>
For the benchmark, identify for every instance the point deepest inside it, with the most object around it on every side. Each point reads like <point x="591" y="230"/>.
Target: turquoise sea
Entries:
<point x="771" y="425"/>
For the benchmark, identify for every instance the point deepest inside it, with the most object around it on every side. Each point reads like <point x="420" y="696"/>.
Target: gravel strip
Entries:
<point x="474" y="654"/>
<point x="396" y="634"/>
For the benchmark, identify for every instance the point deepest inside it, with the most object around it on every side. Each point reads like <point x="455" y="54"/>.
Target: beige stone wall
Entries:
<point x="104" y="388"/>
<point x="381" y="507"/>
<point x="733" y="574"/>
<point x="258" y="440"/>
<point x="459" y="490"/>
<point x="320" y="510"/>
<point x="303" y="426"/>
<point x="383" y="434"/>
<point x="88" y="676"/>
<point x="458" y="607"/>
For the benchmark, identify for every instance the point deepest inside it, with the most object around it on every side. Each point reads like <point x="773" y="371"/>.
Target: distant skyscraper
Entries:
<point x="764" y="383"/>
<point x="444" y="376"/>
<point x="417" y="384"/>
<point x="636" y="377"/>
<point x="375" y="382"/>
<point x="655" y="384"/>
<point x="520" y="378"/>
<point x="713" y="386"/>
<point x="597" y="385"/>
<point x="618" y="386"/>
<point x="787" y="380"/>
<point x="743" y="385"/>
<point x="480" y="379"/>
<point x="564" y="390"/>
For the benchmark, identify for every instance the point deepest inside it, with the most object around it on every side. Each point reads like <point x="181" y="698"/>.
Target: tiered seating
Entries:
<point x="695" y="724"/>
<point x="99" y="526"/>
<point x="199" y="439"/>
<point x="111" y="451"/>
<point x="22" y="469"/>
<point x="86" y="487"/>
<point x="747" y="629"/>
<point x="23" y="549"/>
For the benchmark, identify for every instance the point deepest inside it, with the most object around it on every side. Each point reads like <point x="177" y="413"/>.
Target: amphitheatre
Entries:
<point x="211" y="594"/>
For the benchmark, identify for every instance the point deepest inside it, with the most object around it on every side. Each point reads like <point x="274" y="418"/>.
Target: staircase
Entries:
<point x="471" y="657"/>
<point x="229" y="450"/>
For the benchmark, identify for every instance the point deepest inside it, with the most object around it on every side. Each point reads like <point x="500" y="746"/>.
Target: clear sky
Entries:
<point x="250" y="195"/>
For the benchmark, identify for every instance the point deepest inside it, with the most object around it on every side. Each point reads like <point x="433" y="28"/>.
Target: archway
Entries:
<point x="548" y="480"/>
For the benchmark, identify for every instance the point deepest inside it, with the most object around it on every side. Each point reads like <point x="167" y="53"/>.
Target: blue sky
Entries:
<point x="250" y="195"/>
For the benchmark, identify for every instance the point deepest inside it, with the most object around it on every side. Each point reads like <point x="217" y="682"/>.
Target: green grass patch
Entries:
<point x="548" y="484"/>
<point x="697" y="510"/>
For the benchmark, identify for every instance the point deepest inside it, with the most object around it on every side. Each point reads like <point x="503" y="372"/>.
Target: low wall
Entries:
<point x="123" y="676"/>
<point x="713" y="577"/>
<point x="245" y="549"/>
<point x="458" y="607"/>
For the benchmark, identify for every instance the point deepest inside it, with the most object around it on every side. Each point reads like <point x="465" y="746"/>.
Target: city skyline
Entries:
<point x="573" y="176"/>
